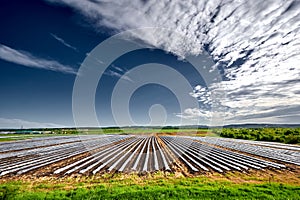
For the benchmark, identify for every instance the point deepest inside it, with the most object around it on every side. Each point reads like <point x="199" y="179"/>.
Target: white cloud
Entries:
<point x="257" y="42"/>
<point x="203" y="94"/>
<point x="194" y="113"/>
<point x="118" y="75"/>
<point x="118" y="72"/>
<point x="117" y="68"/>
<point x="253" y="104"/>
<point x="28" y="60"/>
<point x="18" y="123"/>
<point x="63" y="42"/>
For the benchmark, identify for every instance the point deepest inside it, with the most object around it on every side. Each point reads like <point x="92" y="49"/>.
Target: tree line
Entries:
<point x="283" y="135"/>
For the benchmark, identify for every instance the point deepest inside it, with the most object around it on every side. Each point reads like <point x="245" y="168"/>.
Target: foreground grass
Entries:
<point x="150" y="188"/>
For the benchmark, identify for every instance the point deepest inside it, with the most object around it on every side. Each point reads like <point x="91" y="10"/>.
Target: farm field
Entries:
<point x="73" y="166"/>
<point x="91" y="154"/>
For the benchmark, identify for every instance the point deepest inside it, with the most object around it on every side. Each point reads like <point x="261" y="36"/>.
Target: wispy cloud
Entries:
<point x="118" y="72"/>
<point x="118" y="68"/>
<point x="63" y="42"/>
<point x="28" y="60"/>
<point x="18" y="123"/>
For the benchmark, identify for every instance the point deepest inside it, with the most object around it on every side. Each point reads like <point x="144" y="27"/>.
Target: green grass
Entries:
<point x="7" y="139"/>
<point x="15" y="137"/>
<point x="169" y="188"/>
<point x="143" y="131"/>
<point x="125" y="130"/>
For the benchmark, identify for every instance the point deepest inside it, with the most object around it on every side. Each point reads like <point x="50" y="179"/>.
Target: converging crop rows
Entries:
<point x="92" y="154"/>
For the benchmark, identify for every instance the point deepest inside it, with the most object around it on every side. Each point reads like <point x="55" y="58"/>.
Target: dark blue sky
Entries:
<point x="36" y="96"/>
<point x="253" y="45"/>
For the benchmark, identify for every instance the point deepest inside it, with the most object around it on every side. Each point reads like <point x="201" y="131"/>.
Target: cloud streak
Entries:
<point x="26" y="59"/>
<point x="118" y="72"/>
<point x="62" y="41"/>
